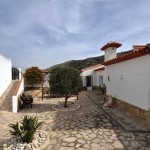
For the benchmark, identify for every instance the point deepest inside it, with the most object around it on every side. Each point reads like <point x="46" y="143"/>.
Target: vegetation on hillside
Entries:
<point x="80" y="64"/>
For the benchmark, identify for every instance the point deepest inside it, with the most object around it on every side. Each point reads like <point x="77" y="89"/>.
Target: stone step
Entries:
<point x="11" y="86"/>
<point x="6" y="98"/>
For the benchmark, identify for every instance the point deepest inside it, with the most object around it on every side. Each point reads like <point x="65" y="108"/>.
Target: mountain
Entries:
<point x="80" y="64"/>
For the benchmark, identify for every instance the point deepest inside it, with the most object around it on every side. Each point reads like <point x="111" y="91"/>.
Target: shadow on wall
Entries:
<point x="6" y="99"/>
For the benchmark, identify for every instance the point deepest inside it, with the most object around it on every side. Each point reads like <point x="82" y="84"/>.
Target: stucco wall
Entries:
<point x="110" y="53"/>
<point x="5" y="73"/>
<point x="89" y="72"/>
<point x="15" y="97"/>
<point x="97" y="74"/>
<point x="129" y="81"/>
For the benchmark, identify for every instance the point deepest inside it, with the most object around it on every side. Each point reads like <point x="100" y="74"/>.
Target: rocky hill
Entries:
<point x="80" y="64"/>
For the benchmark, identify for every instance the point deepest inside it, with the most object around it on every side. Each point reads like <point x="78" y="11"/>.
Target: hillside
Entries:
<point x="80" y="64"/>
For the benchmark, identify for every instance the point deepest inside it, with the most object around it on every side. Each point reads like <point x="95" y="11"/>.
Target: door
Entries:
<point x="89" y="82"/>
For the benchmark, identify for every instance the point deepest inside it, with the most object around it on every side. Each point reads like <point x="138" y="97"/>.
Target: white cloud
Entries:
<point x="47" y="32"/>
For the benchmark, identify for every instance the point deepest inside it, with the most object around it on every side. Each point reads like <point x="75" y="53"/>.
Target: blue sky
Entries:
<point x="47" y="32"/>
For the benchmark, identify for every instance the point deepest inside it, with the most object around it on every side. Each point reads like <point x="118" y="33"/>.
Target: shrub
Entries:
<point x="33" y="76"/>
<point x="25" y="129"/>
<point x="103" y="88"/>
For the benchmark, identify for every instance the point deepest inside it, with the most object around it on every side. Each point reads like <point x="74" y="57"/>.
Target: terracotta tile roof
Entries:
<point x="136" y="47"/>
<point x="99" y="69"/>
<point x="111" y="44"/>
<point x="131" y="55"/>
<point x="90" y="67"/>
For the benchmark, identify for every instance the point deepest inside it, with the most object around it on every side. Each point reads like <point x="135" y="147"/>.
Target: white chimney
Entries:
<point x="137" y="47"/>
<point x="110" y="50"/>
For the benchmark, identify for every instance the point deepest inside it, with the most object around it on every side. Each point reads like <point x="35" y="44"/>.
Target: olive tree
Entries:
<point x="65" y="81"/>
<point x="33" y="76"/>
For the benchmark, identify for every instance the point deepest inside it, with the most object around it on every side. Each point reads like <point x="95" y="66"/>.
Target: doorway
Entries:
<point x="89" y="82"/>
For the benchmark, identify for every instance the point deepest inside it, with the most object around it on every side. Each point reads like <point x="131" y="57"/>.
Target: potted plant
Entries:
<point x="27" y="136"/>
<point x="102" y="88"/>
<point x="26" y="129"/>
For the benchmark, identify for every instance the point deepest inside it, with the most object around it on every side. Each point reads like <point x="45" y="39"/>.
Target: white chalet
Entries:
<point x="126" y="77"/>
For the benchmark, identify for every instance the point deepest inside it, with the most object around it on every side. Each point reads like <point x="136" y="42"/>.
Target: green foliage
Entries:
<point x="65" y="81"/>
<point x="25" y="129"/>
<point x="33" y="75"/>
<point x="103" y="88"/>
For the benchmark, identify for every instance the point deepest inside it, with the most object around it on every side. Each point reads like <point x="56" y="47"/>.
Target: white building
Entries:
<point x="5" y="73"/>
<point x="127" y="79"/>
<point x="92" y="76"/>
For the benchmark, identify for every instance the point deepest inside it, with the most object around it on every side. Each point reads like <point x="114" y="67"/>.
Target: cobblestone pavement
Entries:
<point x="84" y="129"/>
<point x="127" y="122"/>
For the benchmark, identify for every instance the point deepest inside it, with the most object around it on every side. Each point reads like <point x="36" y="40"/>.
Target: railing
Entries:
<point x="15" y="97"/>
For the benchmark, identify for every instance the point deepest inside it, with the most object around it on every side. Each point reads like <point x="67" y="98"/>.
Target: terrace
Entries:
<point x="88" y="128"/>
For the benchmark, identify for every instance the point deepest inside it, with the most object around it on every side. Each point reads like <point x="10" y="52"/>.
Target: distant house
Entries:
<point x="127" y="79"/>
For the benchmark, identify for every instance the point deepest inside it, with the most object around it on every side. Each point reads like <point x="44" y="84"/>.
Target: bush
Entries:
<point x="25" y="129"/>
<point x="103" y="89"/>
<point x="33" y="76"/>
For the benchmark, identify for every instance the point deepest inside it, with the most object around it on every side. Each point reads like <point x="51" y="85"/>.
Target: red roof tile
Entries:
<point x="111" y="44"/>
<point x="98" y="69"/>
<point x="90" y="67"/>
<point x="136" y="47"/>
<point x="133" y="54"/>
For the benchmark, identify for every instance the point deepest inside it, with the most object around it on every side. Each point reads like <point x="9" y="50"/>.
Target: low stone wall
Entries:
<point x="142" y="116"/>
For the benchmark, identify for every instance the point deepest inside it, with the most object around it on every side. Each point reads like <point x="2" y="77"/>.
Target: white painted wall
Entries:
<point x="15" y="97"/>
<point x="5" y="73"/>
<point x="97" y="74"/>
<point x="46" y="80"/>
<point x="88" y="72"/>
<point x="20" y="75"/>
<point x="110" y="53"/>
<point x="130" y="81"/>
<point x="94" y="74"/>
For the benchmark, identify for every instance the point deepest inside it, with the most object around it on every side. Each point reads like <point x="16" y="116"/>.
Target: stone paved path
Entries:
<point x="127" y="122"/>
<point x="84" y="129"/>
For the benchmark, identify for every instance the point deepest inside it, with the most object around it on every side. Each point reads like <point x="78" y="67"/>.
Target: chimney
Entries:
<point x="137" y="47"/>
<point x="110" y="50"/>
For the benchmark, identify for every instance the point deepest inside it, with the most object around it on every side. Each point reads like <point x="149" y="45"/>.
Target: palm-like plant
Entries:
<point x="26" y="129"/>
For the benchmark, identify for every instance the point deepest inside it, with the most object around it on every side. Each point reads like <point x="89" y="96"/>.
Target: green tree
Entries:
<point x="33" y="76"/>
<point x="65" y="81"/>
